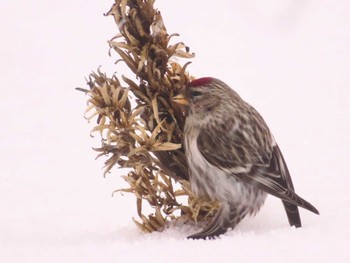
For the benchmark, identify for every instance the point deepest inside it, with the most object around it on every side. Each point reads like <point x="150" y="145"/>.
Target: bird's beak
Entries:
<point x="180" y="98"/>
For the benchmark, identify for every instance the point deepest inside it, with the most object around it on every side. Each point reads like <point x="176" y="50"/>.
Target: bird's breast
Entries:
<point x="211" y="182"/>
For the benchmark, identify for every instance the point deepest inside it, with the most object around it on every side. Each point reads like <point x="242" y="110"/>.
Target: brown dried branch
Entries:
<point x="146" y="137"/>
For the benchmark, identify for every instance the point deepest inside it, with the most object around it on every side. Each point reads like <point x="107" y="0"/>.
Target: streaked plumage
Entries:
<point x="233" y="157"/>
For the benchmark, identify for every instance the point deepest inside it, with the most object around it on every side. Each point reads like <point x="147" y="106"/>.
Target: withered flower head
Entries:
<point x="139" y="123"/>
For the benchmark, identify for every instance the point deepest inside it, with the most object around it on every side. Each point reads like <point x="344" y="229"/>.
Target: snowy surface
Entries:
<point x="290" y="59"/>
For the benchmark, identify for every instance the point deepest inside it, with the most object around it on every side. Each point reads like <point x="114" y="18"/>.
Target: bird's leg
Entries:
<point x="226" y="217"/>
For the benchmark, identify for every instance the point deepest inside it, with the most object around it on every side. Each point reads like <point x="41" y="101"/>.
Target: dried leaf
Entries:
<point x="167" y="146"/>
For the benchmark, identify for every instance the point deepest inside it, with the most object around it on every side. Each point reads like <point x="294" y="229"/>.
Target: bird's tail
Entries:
<point x="291" y="209"/>
<point x="292" y="214"/>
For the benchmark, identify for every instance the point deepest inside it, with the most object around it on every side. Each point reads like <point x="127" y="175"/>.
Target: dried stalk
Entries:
<point x="146" y="137"/>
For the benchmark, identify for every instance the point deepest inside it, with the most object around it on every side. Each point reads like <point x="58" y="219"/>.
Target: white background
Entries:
<point x="289" y="59"/>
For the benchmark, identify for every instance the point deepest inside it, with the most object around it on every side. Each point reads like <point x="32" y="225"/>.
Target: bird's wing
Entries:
<point x="275" y="180"/>
<point x="231" y="146"/>
<point x="250" y="159"/>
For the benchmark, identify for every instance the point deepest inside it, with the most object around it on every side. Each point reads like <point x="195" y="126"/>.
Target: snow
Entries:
<point x="290" y="59"/>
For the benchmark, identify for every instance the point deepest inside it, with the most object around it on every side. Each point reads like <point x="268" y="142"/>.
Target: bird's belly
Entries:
<point x="210" y="181"/>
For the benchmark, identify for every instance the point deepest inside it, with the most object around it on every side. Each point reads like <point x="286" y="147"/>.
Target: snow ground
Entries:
<point x="290" y="59"/>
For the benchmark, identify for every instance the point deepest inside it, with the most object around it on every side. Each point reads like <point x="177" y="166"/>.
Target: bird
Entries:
<point x="232" y="157"/>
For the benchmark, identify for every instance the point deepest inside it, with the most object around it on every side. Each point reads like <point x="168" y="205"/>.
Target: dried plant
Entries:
<point x="146" y="137"/>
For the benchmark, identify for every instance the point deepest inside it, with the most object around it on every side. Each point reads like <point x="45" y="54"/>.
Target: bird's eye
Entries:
<point x="195" y="93"/>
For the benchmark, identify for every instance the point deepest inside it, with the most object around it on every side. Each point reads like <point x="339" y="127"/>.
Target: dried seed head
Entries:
<point x="139" y="125"/>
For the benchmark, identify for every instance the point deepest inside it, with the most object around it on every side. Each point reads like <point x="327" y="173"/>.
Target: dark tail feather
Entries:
<point x="291" y="209"/>
<point x="292" y="214"/>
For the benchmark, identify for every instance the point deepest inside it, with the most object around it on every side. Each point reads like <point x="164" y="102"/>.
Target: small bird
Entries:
<point x="233" y="157"/>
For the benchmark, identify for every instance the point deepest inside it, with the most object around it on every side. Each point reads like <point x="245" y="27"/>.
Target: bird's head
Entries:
<point x="204" y="95"/>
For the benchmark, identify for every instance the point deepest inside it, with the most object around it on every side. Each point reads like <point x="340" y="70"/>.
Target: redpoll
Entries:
<point x="233" y="157"/>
